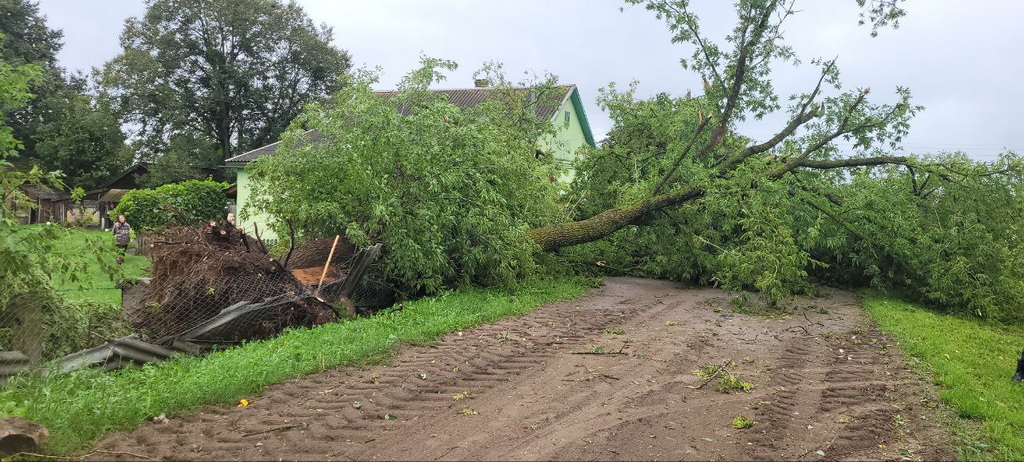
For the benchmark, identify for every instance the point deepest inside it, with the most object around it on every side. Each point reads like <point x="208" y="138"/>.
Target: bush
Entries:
<point x="77" y="325"/>
<point x="186" y="203"/>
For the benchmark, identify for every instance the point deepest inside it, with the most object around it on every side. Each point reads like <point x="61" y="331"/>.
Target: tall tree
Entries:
<point x="235" y="72"/>
<point x="28" y="40"/>
<point x="61" y="128"/>
<point x="80" y="138"/>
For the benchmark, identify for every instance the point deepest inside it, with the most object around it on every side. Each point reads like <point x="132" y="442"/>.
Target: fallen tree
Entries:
<point x="461" y="195"/>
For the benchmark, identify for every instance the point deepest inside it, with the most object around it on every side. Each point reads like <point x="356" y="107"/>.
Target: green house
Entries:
<point x="572" y="131"/>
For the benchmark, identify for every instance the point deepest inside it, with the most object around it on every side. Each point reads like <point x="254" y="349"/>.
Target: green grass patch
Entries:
<point x="972" y="363"/>
<point x="79" y="408"/>
<point x="95" y="285"/>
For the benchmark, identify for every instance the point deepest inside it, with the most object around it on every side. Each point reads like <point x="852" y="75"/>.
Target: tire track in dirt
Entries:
<point x="532" y="388"/>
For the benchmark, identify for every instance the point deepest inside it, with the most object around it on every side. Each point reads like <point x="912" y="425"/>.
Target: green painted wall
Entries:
<point x="246" y="222"/>
<point x="568" y="138"/>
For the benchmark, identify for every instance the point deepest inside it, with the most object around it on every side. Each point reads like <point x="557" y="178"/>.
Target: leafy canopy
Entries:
<point x="187" y="203"/>
<point x="450" y="191"/>
<point x="231" y="72"/>
<point x="61" y="128"/>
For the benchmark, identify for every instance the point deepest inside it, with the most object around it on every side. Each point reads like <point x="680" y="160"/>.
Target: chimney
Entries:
<point x="481" y="83"/>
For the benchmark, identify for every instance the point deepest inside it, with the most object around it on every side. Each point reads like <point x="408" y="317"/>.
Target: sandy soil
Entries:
<point x="826" y="386"/>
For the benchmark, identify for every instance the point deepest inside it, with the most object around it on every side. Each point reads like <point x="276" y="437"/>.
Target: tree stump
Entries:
<point x="18" y="434"/>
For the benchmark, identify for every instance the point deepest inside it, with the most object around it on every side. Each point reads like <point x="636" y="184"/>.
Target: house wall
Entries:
<point x="567" y="140"/>
<point x="246" y="221"/>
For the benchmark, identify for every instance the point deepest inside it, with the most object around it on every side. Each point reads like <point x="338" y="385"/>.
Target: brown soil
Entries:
<point x="530" y="388"/>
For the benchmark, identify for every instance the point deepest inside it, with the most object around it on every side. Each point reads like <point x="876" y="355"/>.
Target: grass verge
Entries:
<point x="96" y="286"/>
<point x="79" y="408"/>
<point x="972" y="363"/>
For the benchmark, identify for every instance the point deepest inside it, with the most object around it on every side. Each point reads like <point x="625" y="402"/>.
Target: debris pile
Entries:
<point x="197" y="273"/>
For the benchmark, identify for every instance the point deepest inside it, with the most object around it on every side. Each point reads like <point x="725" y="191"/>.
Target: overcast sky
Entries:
<point x="962" y="59"/>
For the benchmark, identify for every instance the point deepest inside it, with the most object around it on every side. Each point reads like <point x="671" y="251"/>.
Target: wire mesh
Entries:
<point x="212" y="285"/>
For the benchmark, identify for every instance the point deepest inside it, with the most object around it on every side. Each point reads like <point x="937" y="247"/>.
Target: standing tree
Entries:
<point x="61" y="128"/>
<point x="233" y="72"/>
<point x="81" y="137"/>
<point x="28" y="40"/>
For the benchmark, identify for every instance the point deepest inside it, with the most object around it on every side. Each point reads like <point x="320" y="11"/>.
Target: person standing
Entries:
<point x="122" y="236"/>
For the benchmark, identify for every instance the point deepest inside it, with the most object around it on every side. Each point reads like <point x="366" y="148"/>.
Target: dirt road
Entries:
<point x="606" y="377"/>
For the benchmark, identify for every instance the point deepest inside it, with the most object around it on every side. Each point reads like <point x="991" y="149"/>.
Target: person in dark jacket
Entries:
<point x="122" y="236"/>
<point x="1020" y="369"/>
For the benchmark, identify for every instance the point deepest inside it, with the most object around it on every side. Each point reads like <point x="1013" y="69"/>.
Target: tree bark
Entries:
<point x="556" y="236"/>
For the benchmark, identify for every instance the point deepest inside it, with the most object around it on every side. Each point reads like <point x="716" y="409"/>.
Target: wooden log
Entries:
<point x="18" y="434"/>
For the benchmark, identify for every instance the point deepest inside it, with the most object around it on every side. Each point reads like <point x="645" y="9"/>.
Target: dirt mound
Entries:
<point x="196" y="273"/>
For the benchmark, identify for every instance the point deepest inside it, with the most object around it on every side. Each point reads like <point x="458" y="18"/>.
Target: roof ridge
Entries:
<point x="476" y="88"/>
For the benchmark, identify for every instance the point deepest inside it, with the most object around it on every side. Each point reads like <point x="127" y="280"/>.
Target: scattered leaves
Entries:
<point x="740" y="422"/>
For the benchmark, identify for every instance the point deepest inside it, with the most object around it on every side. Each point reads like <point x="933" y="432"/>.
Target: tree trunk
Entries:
<point x="552" y="237"/>
<point x="18" y="435"/>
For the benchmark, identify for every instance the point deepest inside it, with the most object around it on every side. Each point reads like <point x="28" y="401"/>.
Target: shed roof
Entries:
<point x="113" y="195"/>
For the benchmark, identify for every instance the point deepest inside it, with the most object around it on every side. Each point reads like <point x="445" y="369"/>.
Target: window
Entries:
<point x="566" y="116"/>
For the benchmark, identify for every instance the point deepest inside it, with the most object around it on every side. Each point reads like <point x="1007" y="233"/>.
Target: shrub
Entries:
<point x="187" y="203"/>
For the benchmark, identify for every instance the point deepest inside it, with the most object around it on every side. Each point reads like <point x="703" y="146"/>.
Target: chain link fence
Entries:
<point x="207" y="288"/>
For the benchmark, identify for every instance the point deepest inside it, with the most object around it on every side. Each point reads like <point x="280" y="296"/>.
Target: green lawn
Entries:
<point x="972" y="363"/>
<point x="95" y="285"/>
<point x="79" y="408"/>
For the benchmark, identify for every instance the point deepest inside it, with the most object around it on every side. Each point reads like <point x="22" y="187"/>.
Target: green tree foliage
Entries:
<point x="61" y="128"/>
<point x="450" y="191"/>
<point x="30" y="256"/>
<point x="231" y="72"/>
<point x="941" y="229"/>
<point x="82" y="139"/>
<point x="188" y="203"/>
<point x="27" y="40"/>
<point x="950" y="237"/>
<point x="680" y="195"/>
<point x="187" y="157"/>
